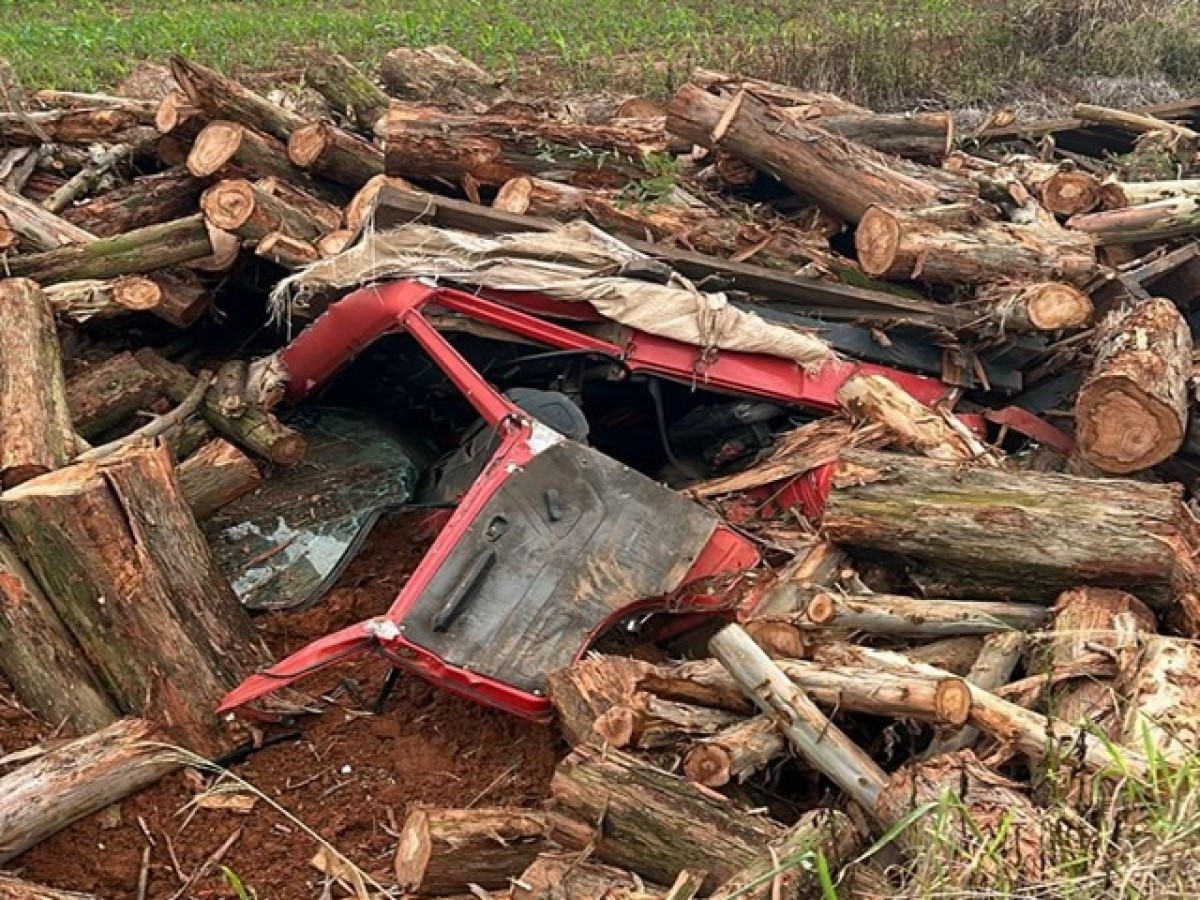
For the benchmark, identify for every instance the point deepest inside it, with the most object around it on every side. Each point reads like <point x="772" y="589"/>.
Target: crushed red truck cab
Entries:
<point x="553" y="542"/>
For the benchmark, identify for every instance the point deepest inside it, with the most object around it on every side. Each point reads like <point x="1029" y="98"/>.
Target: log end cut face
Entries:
<point x="877" y="241"/>
<point x="229" y="205"/>
<point x="307" y="144"/>
<point x="1122" y="429"/>
<point x="215" y="146"/>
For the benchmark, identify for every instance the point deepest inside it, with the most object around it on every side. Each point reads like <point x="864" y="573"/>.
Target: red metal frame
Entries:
<point x="353" y="323"/>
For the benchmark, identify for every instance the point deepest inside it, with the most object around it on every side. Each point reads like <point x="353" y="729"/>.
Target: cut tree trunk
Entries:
<point x="1183" y="141"/>
<point x="148" y="200"/>
<point x="106" y="394"/>
<point x="348" y="90"/>
<point x="122" y="560"/>
<point x="1034" y="306"/>
<point x="323" y="214"/>
<point x="948" y="245"/>
<point x="572" y="876"/>
<point x="1131" y="412"/>
<point x="332" y="153"/>
<point x="40" y="659"/>
<point x="647" y="722"/>
<point x="445" y="851"/>
<point x="439" y="74"/>
<point x="182" y="296"/>
<point x="819" y="103"/>
<point x="914" y="426"/>
<point x="36" y="228"/>
<point x="923" y="136"/>
<point x="426" y="143"/>
<point x="216" y="475"/>
<point x="67" y="126"/>
<point x="12" y="888"/>
<point x="1162" y="695"/>
<point x="994" y="822"/>
<point x="289" y="252"/>
<point x="957" y="655"/>
<point x="361" y="207"/>
<point x="586" y="690"/>
<point x="843" y="177"/>
<point x="1147" y="223"/>
<point x="132" y="253"/>
<point x="993" y="668"/>
<point x="77" y="779"/>
<point x="36" y="435"/>
<point x="334" y="242"/>
<point x="244" y="209"/>
<point x="813" y="736"/>
<point x="235" y="150"/>
<point x="83" y="301"/>
<point x="1086" y="619"/>
<point x="255" y="430"/>
<point x="644" y="819"/>
<point x="1120" y="194"/>
<point x="223" y="98"/>
<point x="1035" y="533"/>
<point x="887" y="614"/>
<point x="736" y="753"/>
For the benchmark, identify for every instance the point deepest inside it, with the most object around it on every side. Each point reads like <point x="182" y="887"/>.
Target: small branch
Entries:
<point x="85" y="180"/>
<point x="156" y="427"/>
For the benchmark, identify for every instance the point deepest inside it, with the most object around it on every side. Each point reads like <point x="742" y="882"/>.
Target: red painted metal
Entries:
<point x="1026" y="423"/>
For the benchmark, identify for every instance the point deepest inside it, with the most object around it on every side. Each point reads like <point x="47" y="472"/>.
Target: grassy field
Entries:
<point x="885" y="52"/>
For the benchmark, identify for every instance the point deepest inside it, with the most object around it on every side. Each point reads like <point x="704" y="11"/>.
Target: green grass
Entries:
<point x="885" y="52"/>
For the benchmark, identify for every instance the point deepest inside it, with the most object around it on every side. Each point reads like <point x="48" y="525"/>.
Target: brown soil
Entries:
<point x="350" y="777"/>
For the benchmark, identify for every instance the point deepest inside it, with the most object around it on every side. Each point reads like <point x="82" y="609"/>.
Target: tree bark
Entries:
<point x="244" y="209"/>
<point x="332" y="153"/>
<point x="439" y="74"/>
<point x="40" y="659"/>
<point x="255" y="430"/>
<point x="148" y="200"/>
<point x="223" y="98"/>
<point x="234" y="150"/>
<point x="887" y="614"/>
<point x="1035" y="533"/>
<point x="1118" y="194"/>
<point x="735" y="753"/>
<point x="586" y="690"/>
<point x="37" y="435"/>
<point x="132" y="253"/>
<point x="104" y="395"/>
<point x="67" y="126"/>
<point x="425" y="143"/>
<point x="1182" y="140"/>
<point x="322" y="213"/>
<point x="36" y="228"/>
<point x="819" y="103"/>
<point x="647" y="722"/>
<point x="122" y="560"/>
<point x="1034" y="306"/>
<point x="915" y="427"/>
<point x="77" y="779"/>
<point x="444" y="851"/>
<point x="957" y="655"/>
<point x="286" y="251"/>
<point x="1131" y="412"/>
<point x="651" y="822"/>
<point x="949" y="245"/>
<point x="216" y="475"/>
<point x="843" y="177"/>
<point x="12" y="888"/>
<point x="993" y="668"/>
<point x="361" y="208"/>
<point x="571" y="876"/>
<point x="348" y="90"/>
<point x="1146" y="223"/>
<point x="183" y="297"/>
<point x="1162" y="692"/>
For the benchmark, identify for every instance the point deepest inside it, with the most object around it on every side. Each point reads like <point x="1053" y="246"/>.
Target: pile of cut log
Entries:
<point x="949" y="613"/>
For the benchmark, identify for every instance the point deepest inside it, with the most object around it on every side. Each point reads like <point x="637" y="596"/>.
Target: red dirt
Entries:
<point x="350" y="777"/>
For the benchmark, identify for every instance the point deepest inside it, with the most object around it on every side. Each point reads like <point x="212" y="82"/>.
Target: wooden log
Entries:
<point x="992" y="669"/>
<point x="348" y="90"/>
<point x="914" y="426"/>
<point x="122" y="560"/>
<point x="142" y="108"/>
<point x="8" y="237"/>
<point x="1070" y="192"/>
<point x="1161" y="692"/>
<point x="177" y="115"/>
<point x="957" y="655"/>
<point x="77" y="779"/>
<point x="230" y="387"/>
<point x="323" y="214"/>
<point x="85" y="181"/>
<point x="1120" y="194"/>
<point x="104" y="395"/>
<point x="182" y="297"/>
<point x="819" y="103"/>
<point x="231" y="149"/>
<point x="895" y="243"/>
<point x="1034" y="306"/>
<point x="780" y="639"/>
<point x="40" y="659"/>
<point x="187" y="437"/>
<point x="1086" y="619"/>
<point x="644" y="819"/>
<point x="37" y="228"/>
<point x="13" y="888"/>
<point x="888" y="614"/>
<point x="224" y="98"/>
<point x="994" y="823"/>
<point x="586" y="690"/>
<point x="843" y="177"/>
<point x="1182" y="140"/>
<point x="332" y="153"/>
<point x="37" y="435"/>
<point x="132" y="253"/>
<point x="1132" y="410"/>
<point x="647" y="722"/>
<point x="148" y="200"/>
<point x="83" y="301"/>
<point x="244" y="209"/>
<point x="1035" y="533"/>
<point x="813" y="736"/>
<point x="1145" y="223"/>
<point x="334" y="242"/>
<point x="445" y="851"/>
<point x="256" y="430"/>
<point x="735" y="753"/>
<point x="66" y="126"/>
<point x="559" y="875"/>
<point x="439" y="74"/>
<point x="539" y="197"/>
<point x="286" y="251"/>
<point x="923" y="136"/>
<point x="361" y="207"/>
<point x="426" y="143"/>
<point x="216" y="475"/>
